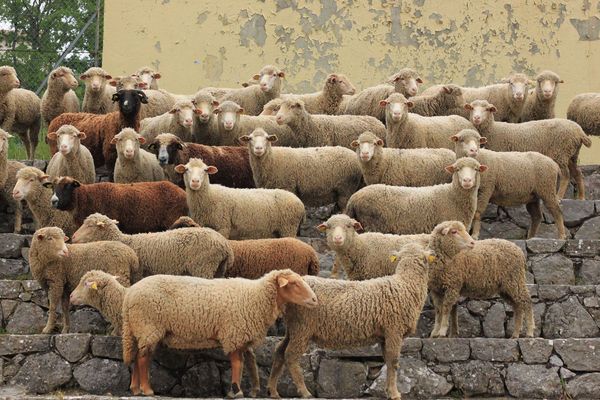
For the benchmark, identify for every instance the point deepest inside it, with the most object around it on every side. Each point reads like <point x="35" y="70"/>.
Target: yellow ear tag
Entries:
<point x="94" y="286"/>
<point x="393" y="258"/>
<point x="431" y="258"/>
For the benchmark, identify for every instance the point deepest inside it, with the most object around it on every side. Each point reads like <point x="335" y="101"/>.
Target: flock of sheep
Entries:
<point x="215" y="185"/>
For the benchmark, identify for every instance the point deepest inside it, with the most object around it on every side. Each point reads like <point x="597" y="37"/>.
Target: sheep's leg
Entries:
<point x="437" y="302"/>
<point x="250" y="361"/>
<point x="518" y="307"/>
<point x="277" y="367"/>
<point x="476" y="225"/>
<point x="563" y="182"/>
<point x="535" y="211"/>
<point x="27" y="145"/>
<point x="391" y="355"/>
<point x="454" y="322"/>
<point x="483" y="199"/>
<point x="134" y="386"/>
<point x="335" y="270"/>
<point x="450" y="299"/>
<point x="18" y="218"/>
<point x="293" y="352"/>
<point x="54" y="296"/>
<point x="530" y="320"/>
<point x="143" y="364"/>
<point x="235" y="358"/>
<point x="65" y="313"/>
<point x="551" y="203"/>
<point x="578" y="176"/>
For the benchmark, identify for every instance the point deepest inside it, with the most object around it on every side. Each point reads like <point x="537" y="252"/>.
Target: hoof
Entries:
<point x="254" y="392"/>
<point x="148" y="392"/>
<point x="238" y="395"/>
<point x="47" y="330"/>
<point x="273" y="393"/>
<point x="135" y="391"/>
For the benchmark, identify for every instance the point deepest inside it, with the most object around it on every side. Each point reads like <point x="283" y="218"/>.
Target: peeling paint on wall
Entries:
<point x="588" y="29"/>
<point x="254" y="29"/>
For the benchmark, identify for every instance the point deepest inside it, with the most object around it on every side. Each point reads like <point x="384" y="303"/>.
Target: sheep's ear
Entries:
<point x="76" y="183"/>
<point x="141" y="139"/>
<point x="240" y="110"/>
<point x="152" y="146"/>
<point x="91" y="285"/>
<point x="410" y="104"/>
<point x="217" y="110"/>
<point x="332" y="78"/>
<point x="383" y="103"/>
<point x="445" y="231"/>
<point x="81" y="135"/>
<point x="52" y="135"/>
<point x="256" y="77"/>
<point x="44" y="178"/>
<point x="322" y="227"/>
<point x="180" y="169"/>
<point x="482" y="140"/>
<point x="66" y="238"/>
<point x="101" y="224"/>
<point x="215" y="103"/>
<point x="115" y="96"/>
<point x="454" y="138"/>
<point x="355" y="143"/>
<point x="211" y="170"/>
<point x="419" y="80"/>
<point x="142" y="85"/>
<point x="49" y="185"/>
<point x="245" y="84"/>
<point x="83" y="77"/>
<point x="492" y="109"/>
<point x="172" y="111"/>
<point x="40" y="236"/>
<point x="143" y="97"/>
<point x="9" y="135"/>
<point x="483" y="168"/>
<point x="450" y="169"/>
<point x="156" y="75"/>
<point x="468" y="107"/>
<point x="282" y="281"/>
<point x="447" y="89"/>
<point x="561" y="81"/>
<point x="281" y="74"/>
<point x="107" y="76"/>
<point x="113" y="82"/>
<point x="114" y="140"/>
<point x="244" y="139"/>
<point x="357" y="226"/>
<point x="379" y="142"/>
<point x="272" y="138"/>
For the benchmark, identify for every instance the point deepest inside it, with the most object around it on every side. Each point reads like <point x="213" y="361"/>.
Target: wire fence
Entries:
<point x="36" y="36"/>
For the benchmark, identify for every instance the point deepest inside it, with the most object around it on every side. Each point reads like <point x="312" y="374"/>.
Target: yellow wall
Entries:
<point x="196" y="43"/>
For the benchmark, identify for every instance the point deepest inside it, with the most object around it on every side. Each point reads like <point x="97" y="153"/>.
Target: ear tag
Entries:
<point x="94" y="286"/>
<point x="431" y="258"/>
<point x="393" y="258"/>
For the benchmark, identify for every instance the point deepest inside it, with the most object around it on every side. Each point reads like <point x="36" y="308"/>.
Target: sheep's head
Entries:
<point x="184" y="112"/>
<point x="228" y="114"/>
<point x="127" y="83"/>
<point x="518" y="86"/>
<point x="64" y="78"/>
<point x="96" y="227"/>
<point x="89" y="289"/>
<point x="449" y="238"/>
<point x="411" y="254"/>
<point x="272" y="107"/>
<point x="406" y="81"/>
<point x="467" y="143"/>
<point x="63" y="197"/>
<point x="366" y="145"/>
<point x="184" y="222"/>
<point x="95" y="79"/>
<point x="547" y="84"/>
<point x="148" y="76"/>
<point x="289" y="110"/>
<point x="340" y="230"/>
<point x="28" y="180"/>
<point x="130" y="100"/>
<point x="67" y="138"/>
<point x="195" y="173"/>
<point x="205" y="105"/>
<point x="259" y="142"/>
<point x="466" y="172"/>
<point x="340" y="84"/>
<point x="481" y="112"/>
<point x="51" y="241"/>
<point x="4" y="136"/>
<point x="396" y="107"/>
<point x="166" y="146"/>
<point x="269" y="78"/>
<point x="291" y="288"/>
<point x="8" y="79"/>
<point x="128" y="143"/>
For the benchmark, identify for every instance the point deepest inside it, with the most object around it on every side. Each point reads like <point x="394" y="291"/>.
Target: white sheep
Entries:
<point x="59" y="97"/>
<point x="72" y="159"/>
<point x="327" y="100"/>
<point x="133" y="163"/>
<point x="97" y="98"/>
<point x="179" y="121"/>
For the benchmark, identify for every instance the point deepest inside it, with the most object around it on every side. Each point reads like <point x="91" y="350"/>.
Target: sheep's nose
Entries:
<point x="163" y="160"/>
<point x="188" y="121"/>
<point x="54" y="203"/>
<point x="195" y="180"/>
<point x="337" y="239"/>
<point x="467" y="180"/>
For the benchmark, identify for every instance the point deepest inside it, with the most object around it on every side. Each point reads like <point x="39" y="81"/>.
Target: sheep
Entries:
<point x="406" y="81"/>
<point x="149" y="76"/>
<point x="204" y="127"/>
<point x="406" y="210"/>
<point x="178" y="121"/>
<point x="199" y="252"/>
<point x="141" y="207"/>
<point x="317" y="175"/>
<point x="254" y="258"/>
<point x="188" y="313"/>
<point x="59" y="97"/>
<point x="327" y="100"/>
<point x="19" y="110"/>
<point x="127" y="83"/>
<point x="364" y="256"/>
<point x="356" y="313"/>
<point x="72" y="159"/>
<point x="134" y="164"/>
<point x="254" y="97"/>
<point x="239" y="213"/>
<point x="461" y="266"/>
<point x="159" y="101"/>
<point x="231" y="161"/>
<point x="8" y="178"/>
<point x="537" y="174"/>
<point x="324" y="130"/>
<point x="559" y="139"/>
<point x="401" y="167"/>
<point x="448" y="100"/>
<point x="583" y="109"/>
<point x="103" y="292"/>
<point x="540" y="101"/>
<point x="272" y="107"/>
<point x="408" y="131"/>
<point x="29" y="187"/>
<point x="100" y="129"/>
<point x="231" y="124"/>
<point x="58" y="266"/>
<point x="97" y="98"/>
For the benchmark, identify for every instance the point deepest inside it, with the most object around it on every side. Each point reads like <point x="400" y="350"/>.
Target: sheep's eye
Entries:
<point x="454" y="231"/>
<point x="48" y="238"/>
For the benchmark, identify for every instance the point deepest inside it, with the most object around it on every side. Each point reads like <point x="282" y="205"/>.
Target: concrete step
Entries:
<point x="429" y="368"/>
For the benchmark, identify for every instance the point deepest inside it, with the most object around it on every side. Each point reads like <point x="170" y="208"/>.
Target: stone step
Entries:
<point x="429" y="368"/>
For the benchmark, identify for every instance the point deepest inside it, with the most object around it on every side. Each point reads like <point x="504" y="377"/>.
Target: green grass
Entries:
<point x="16" y="150"/>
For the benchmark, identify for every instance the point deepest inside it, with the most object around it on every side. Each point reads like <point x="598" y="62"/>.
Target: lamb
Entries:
<point x="141" y="207"/>
<point x="98" y="93"/>
<point x="149" y="76"/>
<point x="342" y="321"/>
<point x="189" y="313"/>
<point x="364" y="256"/>
<point x="401" y="167"/>
<point x="134" y="164"/>
<point x="103" y="292"/>
<point x="178" y="121"/>
<point x="239" y="213"/>
<point x="327" y="100"/>
<point x="406" y="81"/>
<point x="583" y="109"/>
<point x="324" y="130"/>
<point x="317" y="175"/>
<point x="199" y="252"/>
<point x="408" y="131"/>
<point x="231" y="124"/>
<point x="541" y="100"/>
<point x="29" y="187"/>
<point x="72" y="159"/>
<point x="19" y="110"/>
<point x="231" y="161"/>
<point x="537" y="174"/>
<point x="254" y="97"/>
<point x="559" y="139"/>
<point x="205" y="122"/>
<point x="447" y="100"/>
<point x="255" y="258"/>
<point x="59" y="97"/>
<point x="406" y="210"/>
<point x="479" y="269"/>
<point x="100" y="129"/>
<point x="8" y="178"/>
<point x="58" y="266"/>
